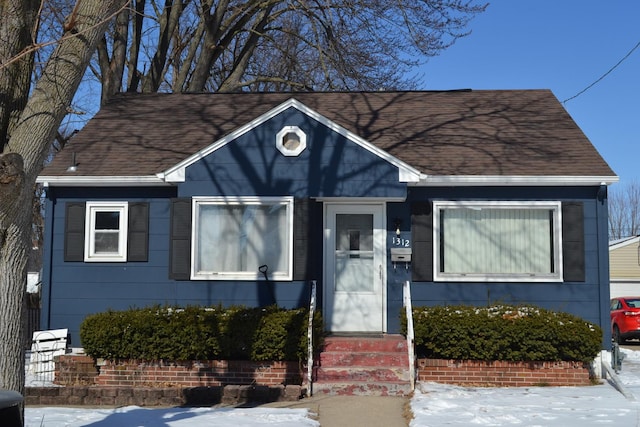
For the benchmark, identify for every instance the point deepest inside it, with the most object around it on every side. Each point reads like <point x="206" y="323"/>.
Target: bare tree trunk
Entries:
<point x="18" y="26"/>
<point x="133" y="77"/>
<point x="211" y="47"/>
<point x="21" y="161"/>
<point x="14" y="244"/>
<point x="168" y="24"/>
<point x="112" y="69"/>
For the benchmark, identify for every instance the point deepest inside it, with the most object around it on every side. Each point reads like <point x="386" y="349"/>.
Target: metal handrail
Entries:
<point x="312" y="309"/>
<point x="616" y="356"/>
<point x="406" y="295"/>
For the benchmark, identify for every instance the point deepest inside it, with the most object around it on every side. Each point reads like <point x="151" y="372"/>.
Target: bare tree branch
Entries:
<point x="624" y="210"/>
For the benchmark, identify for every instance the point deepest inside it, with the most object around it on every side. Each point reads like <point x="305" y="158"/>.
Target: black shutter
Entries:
<point x="74" y="232"/>
<point x="573" y="241"/>
<point x="422" y="238"/>
<point x="180" y="240"/>
<point x="138" y="237"/>
<point x="301" y="224"/>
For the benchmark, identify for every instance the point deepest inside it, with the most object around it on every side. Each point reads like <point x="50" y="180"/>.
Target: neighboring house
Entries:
<point x="624" y="261"/>
<point x="180" y="199"/>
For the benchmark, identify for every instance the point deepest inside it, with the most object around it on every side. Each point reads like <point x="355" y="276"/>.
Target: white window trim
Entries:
<point x="242" y="200"/>
<point x="555" y="206"/>
<point x="89" y="240"/>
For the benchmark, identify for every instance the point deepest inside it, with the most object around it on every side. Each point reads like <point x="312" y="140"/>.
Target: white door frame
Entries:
<point x="378" y="209"/>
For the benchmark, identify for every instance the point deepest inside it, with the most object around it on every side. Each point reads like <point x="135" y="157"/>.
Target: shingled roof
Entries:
<point x="441" y="133"/>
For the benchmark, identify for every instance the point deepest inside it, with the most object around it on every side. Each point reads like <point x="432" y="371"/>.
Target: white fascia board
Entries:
<point x="101" y="181"/>
<point x="174" y="176"/>
<point x="512" y="180"/>
<point x="406" y="173"/>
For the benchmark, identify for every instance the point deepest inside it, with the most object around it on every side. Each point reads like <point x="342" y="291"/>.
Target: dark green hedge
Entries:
<point x="503" y="332"/>
<point x="197" y="333"/>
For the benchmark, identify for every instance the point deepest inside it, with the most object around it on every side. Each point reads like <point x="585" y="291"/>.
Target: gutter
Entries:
<point x="512" y="180"/>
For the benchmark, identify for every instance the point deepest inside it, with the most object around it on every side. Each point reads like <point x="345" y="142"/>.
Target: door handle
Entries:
<point x="380" y="271"/>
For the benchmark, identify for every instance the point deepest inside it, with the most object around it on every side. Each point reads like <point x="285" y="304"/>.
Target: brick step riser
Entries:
<point x="372" y="346"/>
<point x="361" y="389"/>
<point x="331" y="359"/>
<point x="371" y="375"/>
<point x="363" y="366"/>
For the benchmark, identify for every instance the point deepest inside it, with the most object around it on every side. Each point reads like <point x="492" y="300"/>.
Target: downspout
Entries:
<point x="602" y="219"/>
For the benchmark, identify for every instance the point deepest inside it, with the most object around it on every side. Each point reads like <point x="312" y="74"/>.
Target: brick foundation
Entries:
<point x="168" y="384"/>
<point x="198" y="374"/>
<point x="238" y="382"/>
<point x="81" y="370"/>
<point x="504" y="374"/>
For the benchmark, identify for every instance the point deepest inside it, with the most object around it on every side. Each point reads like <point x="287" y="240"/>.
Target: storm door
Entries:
<point x="354" y="268"/>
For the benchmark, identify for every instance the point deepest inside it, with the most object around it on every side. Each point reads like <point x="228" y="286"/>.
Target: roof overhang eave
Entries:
<point x="102" y="181"/>
<point x="512" y="180"/>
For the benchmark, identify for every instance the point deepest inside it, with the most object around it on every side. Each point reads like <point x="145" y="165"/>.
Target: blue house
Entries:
<point x="246" y="198"/>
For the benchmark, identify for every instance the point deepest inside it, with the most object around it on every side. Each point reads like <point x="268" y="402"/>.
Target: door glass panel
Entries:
<point x="354" y="253"/>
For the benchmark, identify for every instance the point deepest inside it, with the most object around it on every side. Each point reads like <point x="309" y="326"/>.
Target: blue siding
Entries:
<point x="330" y="166"/>
<point x="73" y="290"/>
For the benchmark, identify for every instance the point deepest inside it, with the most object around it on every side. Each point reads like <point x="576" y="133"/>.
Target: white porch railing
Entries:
<point x="406" y="295"/>
<point x="312" y="309"/>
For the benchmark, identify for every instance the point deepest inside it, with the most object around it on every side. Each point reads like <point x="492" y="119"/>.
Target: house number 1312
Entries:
<point x="397" y="241"/>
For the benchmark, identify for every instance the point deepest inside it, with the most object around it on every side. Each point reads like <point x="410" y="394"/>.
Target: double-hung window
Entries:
<point x="106" y="231"/>
<point x="234" y="237"/>
<point x="497" y="241"/>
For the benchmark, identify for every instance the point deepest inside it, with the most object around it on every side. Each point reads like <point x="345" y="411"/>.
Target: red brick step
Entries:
<point x="384" y="343"/>
<point x="363" y="366"/>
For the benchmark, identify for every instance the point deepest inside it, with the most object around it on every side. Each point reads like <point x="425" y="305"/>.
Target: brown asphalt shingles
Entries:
<point x="486" y="132"/>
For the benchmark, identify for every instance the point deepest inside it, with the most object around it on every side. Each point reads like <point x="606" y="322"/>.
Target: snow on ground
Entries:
<point x="167" y="417"/>
<point x="436" y="405"/>
<point x="433" y="405"/>
<point x="441" y="405"/>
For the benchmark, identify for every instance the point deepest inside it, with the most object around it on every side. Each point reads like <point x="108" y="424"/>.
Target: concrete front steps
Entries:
<point x="361" y="365"/>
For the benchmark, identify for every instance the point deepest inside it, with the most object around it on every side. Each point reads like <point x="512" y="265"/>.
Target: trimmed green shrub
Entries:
<point x="282" y="334"/>
<point x="196" y="333"/>
<point x="238" y="326"/>
<point x="503" y="332"/>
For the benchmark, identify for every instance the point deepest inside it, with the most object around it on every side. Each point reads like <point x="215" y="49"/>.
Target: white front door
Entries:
<point x="355" y="268"/>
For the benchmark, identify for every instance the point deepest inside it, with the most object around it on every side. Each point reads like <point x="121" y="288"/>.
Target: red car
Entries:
<point x="625" y="318"/>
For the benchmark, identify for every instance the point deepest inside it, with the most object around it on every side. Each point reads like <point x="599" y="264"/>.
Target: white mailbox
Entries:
<point x="400" y="254"/>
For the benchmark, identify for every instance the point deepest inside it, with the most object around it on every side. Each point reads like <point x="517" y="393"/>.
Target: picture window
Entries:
<point x="497" y="241"/>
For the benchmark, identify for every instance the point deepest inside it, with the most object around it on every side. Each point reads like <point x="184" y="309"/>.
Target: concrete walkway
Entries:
<point x="355" y="411"/>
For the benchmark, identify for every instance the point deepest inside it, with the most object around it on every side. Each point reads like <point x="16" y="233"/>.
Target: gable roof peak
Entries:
<point x="176" y="173"/>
